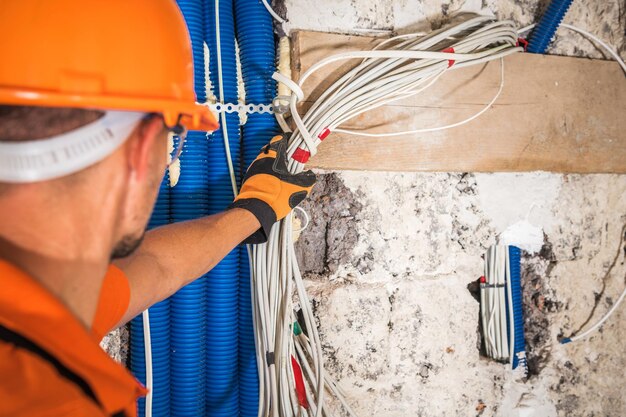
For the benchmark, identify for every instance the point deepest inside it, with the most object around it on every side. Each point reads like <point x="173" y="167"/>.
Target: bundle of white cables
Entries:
<point x="397" y="68"/>
<point x="495" y="300"/>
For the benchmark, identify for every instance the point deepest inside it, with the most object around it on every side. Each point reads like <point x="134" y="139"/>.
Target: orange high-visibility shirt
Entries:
<point x="50" y="365"/>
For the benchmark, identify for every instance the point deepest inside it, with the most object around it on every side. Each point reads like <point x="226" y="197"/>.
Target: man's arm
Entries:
<point x="172" y="256"/>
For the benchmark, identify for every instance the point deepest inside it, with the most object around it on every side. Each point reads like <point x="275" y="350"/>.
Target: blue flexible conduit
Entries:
<point x="159" y="329"/>
<point x="542" y="34"/>
<point x="516" y="295"/>
<point x="190" y="201"/>
<point x="212" y="368"/>
<point x="255" y="35"/>
<point x="222" y="393"/>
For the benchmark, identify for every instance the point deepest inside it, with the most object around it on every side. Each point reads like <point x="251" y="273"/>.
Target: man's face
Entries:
<point x="142" y="188"/>
<point x="126" y="246"/>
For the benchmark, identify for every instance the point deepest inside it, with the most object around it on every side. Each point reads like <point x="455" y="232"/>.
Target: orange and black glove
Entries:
<point x="269" y="190"/>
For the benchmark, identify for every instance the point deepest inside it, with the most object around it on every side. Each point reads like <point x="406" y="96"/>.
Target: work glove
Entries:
<point x="269" y="190"/>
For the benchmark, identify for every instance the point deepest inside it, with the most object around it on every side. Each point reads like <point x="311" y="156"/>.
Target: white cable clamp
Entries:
<point x="281" y="104"/>
<point x="220" y="108"/>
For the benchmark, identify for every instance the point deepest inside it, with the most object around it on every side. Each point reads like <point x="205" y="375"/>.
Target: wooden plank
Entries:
<point x="557" y="114"/>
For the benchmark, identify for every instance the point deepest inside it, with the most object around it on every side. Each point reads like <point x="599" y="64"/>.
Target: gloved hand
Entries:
<point x="269" y="190"/>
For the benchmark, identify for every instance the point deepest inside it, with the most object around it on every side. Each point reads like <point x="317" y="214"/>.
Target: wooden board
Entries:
<point x="557" y="114"/>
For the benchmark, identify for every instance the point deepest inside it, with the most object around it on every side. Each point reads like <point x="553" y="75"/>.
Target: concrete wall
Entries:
<point x="397" y="309"/>
<point x="392" y="285"/>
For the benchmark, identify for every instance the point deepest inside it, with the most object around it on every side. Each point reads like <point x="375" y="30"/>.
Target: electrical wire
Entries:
<point x="494" y="304"/>
<point x="435" y="129"/>
<point x="621" y="63"/>
<point x="272" y="12"/>
<point x="613" y="308"/>
<point x="229" y="159"/>
<point x="399" y="67"/>
<point x="588" y="35"/>
<point x="598" y="324"/>
<point x="306" y="218"/>
<point x="147" y="343"/>
<point x="406" y="66"/>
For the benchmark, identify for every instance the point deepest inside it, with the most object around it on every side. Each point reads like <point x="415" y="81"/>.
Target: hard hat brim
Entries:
<point x="193" y="116"/>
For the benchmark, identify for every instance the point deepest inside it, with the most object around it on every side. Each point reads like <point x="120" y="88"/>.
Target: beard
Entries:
<point x="126" y="246"/>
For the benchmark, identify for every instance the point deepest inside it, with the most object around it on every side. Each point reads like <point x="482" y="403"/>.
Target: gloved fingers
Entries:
<point x="292" y="194"/>
<point x="270" y="149"/>
<point x="305" y="179"/>
<point x="278" y="138"/>
<point x="297" y="198"/>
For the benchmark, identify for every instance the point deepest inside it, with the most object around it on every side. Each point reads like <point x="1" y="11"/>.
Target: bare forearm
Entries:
<point x="172" y="256"/>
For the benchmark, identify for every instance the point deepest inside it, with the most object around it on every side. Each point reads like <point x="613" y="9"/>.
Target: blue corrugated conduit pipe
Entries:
<point x="159" y="329"/>
<point x="190" y="201"/>
<point x="542" y="34"/>
<point x="188" y="307"/>
<point x="255" y="35"/>
<point x="516" y="296"/>
<point x="222" y="392"/>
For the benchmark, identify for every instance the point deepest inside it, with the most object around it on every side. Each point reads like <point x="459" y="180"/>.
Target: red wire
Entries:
<point x="300" y="389"/>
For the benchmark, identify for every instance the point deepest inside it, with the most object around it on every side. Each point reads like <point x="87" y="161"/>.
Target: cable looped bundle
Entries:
<point x="399" y="67"/>
<point x="292" y="377"/>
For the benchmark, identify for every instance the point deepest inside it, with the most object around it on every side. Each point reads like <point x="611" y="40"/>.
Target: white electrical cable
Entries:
<point x="377" y="81"/>
<point x="621" y="63"/>
<point x="435" y="129"/>
<point x="272" y="12"/>
<point x="494" y="305"/>
<point x="601" y="321"/>
<point x="224" y="126"/>
<point x="590" y="36"/>
<point x="600" y="42"/>
<point x="147" y="344"/>
<point x="397" y="68"/>
<point x="306" y="218"/>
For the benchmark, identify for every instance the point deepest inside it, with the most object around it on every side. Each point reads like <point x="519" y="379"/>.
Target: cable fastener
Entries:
<point x="492" y="285"/>
<point x="449" y="50"/>
<point x="522" y="42"/>
<point x="302" y="155"/>
<point x="281" y="104"/>
<point x="241" y="108"/>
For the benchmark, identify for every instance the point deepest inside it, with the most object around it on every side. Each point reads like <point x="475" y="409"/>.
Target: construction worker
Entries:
<point x="89" y="93"/>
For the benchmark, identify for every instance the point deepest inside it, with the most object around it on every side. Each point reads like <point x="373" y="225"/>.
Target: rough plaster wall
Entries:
<point x="399" y="324"/>
<point x="607" y="19"/>
<point x="393" y="282"/>
<point x="116" y="344"/>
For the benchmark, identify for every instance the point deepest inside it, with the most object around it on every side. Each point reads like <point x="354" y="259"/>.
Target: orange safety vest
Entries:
<point x="50" y="365"/>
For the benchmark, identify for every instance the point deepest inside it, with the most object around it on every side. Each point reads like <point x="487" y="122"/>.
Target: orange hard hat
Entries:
<point x="100" y="54"/>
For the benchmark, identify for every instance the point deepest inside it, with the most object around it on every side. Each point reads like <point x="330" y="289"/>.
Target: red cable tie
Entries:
<point x="523" y="42"/>
<point x="301" y="155"/>
<point x="324" y="133"/>
<point x="449" y="50"/>
<point x="300" y="389"/>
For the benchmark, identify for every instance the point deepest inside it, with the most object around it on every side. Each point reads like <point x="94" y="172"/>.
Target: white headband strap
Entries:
<point x="46" y="159"/>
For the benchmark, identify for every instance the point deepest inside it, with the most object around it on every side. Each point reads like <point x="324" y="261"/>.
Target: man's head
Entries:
<point x="118" y="192"/>
<point x="144" y="66"/>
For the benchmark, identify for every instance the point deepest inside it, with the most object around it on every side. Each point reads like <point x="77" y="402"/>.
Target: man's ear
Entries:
<point x="141" y="146"/>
